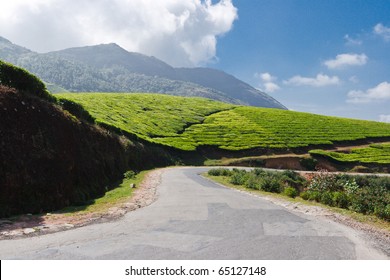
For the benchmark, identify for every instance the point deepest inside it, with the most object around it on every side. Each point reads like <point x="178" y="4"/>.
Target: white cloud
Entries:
<point x="181" y="32"/>
<point x="384" y="118"/>
<point x="270" y="87"/>
<point x="382" y="31"/>
<point x="320" y="80"/>
<point x="351" y="41"/>
<point x="379" y="93"/>
<point x="354" y="79"/>
<point x="346" y="59"/>
<point x="267" y="82"/>
<point x="265" y="77"/>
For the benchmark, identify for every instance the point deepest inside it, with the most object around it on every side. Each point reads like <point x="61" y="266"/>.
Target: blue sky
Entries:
<point x="329" y="57"/>
<point x="338" y="52"/>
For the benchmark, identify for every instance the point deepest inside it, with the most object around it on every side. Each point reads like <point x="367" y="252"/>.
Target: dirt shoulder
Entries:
<point x="30" y="225"/>
<point x="380" y="238"/>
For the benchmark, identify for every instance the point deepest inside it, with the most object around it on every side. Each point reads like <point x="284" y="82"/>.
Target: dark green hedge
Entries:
<point x="22" y="80"/>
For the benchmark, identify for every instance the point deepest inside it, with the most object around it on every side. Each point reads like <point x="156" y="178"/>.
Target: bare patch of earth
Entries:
<point x="30" y="225"/>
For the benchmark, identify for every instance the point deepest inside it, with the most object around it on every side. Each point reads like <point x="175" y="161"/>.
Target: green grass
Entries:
<point x="376" y="153"/>
<point x="114" y="197"/>
<point x="187" y="123"/>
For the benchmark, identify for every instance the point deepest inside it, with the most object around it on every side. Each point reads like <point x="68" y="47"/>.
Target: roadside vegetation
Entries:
<point x="369" y="195"/>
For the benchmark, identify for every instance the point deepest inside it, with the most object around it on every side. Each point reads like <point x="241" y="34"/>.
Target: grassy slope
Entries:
<point x="186" y="123"/>
<point x="149" y="116"/>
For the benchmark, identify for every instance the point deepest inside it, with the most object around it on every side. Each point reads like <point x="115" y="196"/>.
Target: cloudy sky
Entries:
<point x="329" y="57"/>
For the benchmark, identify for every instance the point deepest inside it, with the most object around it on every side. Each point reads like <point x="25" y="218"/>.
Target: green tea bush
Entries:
<point x="383" y="212"/>
<point x="271" y="183"/>
<point x="327" y="198"/>
<point x="264" y="180"/>
<point x="305" y="195"/>
<point x="239" y="177"/>
<point x="314" y="195"/>
<point x="293" y="179"/>
<point x="253" y="182"/>
<point x="341" y="200"/>
<point x="290" y="192"/>
<point x="219" y="172"/>
<point x="359" y="203"/>
<point x="370" y="200"/>
<point x="259" y="171"/>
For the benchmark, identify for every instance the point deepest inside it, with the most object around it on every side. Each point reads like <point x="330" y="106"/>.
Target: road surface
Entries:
<point x="194" y="218"/>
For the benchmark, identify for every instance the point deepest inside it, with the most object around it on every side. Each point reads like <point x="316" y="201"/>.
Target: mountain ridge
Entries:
<point x="110" y="68"/>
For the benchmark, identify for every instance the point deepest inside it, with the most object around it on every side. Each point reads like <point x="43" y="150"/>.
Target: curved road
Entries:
<point x="194" y="218"/>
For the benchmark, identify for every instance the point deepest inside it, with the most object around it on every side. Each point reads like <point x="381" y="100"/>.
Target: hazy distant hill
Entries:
<point x="110" y="68"/>
<point x="9" y="51"/>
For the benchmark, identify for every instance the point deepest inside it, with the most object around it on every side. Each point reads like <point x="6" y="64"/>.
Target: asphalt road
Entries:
<point x="194" y="218"/>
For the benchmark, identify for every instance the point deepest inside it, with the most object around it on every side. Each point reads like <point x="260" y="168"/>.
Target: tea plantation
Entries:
<point x="375" y="153"/>
<point x="187" y="123"/>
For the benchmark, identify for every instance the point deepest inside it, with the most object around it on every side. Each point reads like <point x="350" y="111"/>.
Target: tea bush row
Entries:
<point x="288" y="182"/>
<point x="376" y="153"/>
<point x="188" y="123"/>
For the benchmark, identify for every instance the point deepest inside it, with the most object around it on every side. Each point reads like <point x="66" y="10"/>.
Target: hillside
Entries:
<point x="197" y="123"/>
<point x="51" y="159"/>
<point x="110" y="68"/>
<point x="375" y="153"/>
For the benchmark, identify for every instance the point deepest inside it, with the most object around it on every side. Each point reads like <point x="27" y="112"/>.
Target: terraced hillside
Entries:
<point x="188" y="123"/>
<point x="375" y="153"/>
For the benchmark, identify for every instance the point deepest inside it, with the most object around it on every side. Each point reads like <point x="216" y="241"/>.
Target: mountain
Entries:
<point x="110" y="68"/>
<point x="107" y="56"/>
<point x="11" y="52"/>
<point x="230" y="85"/>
